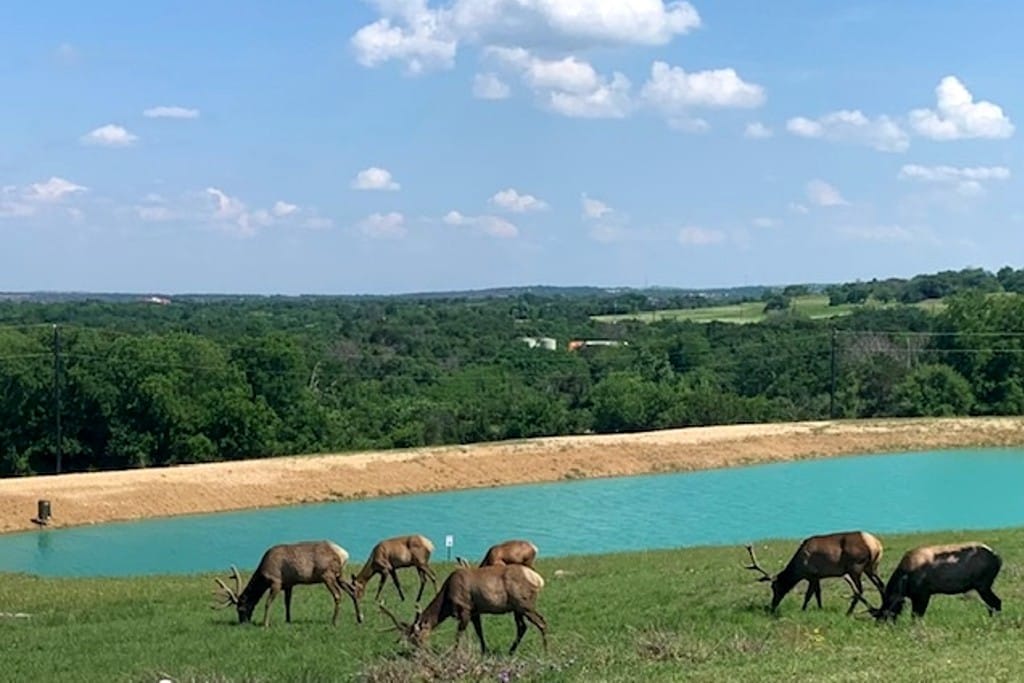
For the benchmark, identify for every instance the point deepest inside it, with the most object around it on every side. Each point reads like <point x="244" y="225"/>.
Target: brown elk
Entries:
<point x="469" y="592"/>
<point x="848" y="554"/>
<point x="393" y="554"/>
<point x="281" y="569"/>
<point x="941" y="570"/>
<point x="507" y="552"/>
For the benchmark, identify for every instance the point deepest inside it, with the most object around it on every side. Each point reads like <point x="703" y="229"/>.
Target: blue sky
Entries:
<point x="409" y="145"/>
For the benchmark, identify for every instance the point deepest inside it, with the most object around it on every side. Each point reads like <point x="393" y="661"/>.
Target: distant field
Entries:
<point x="813" y="306"/>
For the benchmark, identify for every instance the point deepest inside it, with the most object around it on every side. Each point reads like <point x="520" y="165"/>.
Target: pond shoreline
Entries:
<point x="97" y="497"/>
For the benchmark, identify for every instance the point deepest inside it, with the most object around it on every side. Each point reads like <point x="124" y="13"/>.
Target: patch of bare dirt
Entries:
<point x="91" y="498"/>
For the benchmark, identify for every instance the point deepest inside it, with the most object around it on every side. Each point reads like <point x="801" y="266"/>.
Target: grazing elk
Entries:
<point x="848" y="554"/>
<point x="470" y="592"/>
<point x="941" y="570"/>
<point x="281" y="569"/>
<point x="507" y="552"/>
<point x="393" y="554"/>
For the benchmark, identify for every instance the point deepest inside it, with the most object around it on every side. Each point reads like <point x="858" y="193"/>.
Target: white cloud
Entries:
<point x="797" y="207"/>
<point x="569" y="86"/>
<point x="822" y="194"/>
<point x="511" y="200"/>
<point x="766" y="222"/>
<point x="232" y="213"/>
<point x="967" y="180"/>
<point x="53" y="190"/>
<point x="164" y="112"/>
<point x="488" y="86"/>
<point x="879" y="233"/>
<point x="489" y="225"/>
<point x="384" y="225"/>
<point x="594" y="209"/>
<point x="374" y="178"/>
<point x="109" y="135"/>
<point x="425" y="37"/>
<point x="673" y="91"/>
<point x="852" y="126"/>
<point x="958" y="116"/>
<point x="692" y="235"/>
<point x="757" y="131"/>
<point x="281" y="209"/>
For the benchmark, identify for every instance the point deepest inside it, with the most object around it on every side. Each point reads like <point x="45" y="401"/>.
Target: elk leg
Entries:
<point x="394" y="578"/>
<point x="537" y="620"/>
<point x="274" y="590"/>
<point x="288" y="605"/>
<point x="479" y="628"/>
<point x="383" y="579"/>
<point x="858" y="586"/>
<point x="463" y="618"/>
<point x="520" y="632"/>
<point x="817" y="592"/>
<point x="808" y="594"/>
<point x="919" y="604"/>
<point x="875" y="579"/>
<point x="335" y="591"/>
<point x="423" y="583"/>
<point x="991" y="599"/>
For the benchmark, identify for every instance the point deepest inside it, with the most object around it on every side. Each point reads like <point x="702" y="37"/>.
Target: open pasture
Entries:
<point x="693" y="614"/>
<point x="814" y="306"/>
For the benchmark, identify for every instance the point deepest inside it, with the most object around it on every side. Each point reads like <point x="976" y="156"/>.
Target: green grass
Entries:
<point x="656" y="616"/>
<point x="813" y="306"/>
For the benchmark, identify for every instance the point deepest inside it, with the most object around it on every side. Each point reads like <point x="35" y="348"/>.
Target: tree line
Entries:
<point x="143" y="385"/>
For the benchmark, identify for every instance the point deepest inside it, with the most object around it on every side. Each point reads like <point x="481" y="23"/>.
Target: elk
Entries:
<point x="507" y="552"/>
<point x="282" y="568"/>
<point x="848" y="554"/>
<point x="941" y="570"/>
<point x="393" y="554"/>
<point x="470" y="592"/>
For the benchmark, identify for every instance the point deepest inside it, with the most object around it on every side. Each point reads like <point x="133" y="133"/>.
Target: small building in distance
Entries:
<point x="577" y="344"/>
<point x="546" y="343"/>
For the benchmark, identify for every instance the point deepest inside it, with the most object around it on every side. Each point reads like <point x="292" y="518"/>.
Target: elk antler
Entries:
<point x="238" y="580"/>
<point x="230" y="596"/>
<point x="858" y="596"/>
<point x="399" y="625"/>
<point x="765" y="576"/>
<point x="461" y="562"/>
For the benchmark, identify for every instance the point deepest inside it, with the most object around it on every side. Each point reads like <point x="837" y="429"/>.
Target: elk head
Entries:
<point x="765" y="576"/>
<point x="235" y="597"/>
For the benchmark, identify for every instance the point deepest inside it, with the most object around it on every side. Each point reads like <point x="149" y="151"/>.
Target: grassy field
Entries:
<point x="657" y="616"/>
<point x="813" y="306"/>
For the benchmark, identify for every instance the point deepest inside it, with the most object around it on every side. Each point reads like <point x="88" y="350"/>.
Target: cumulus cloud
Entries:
<point x="488" y="86"/>
<point x="822" y="194"/>
<point x="53" y="190"/>
<point x="488" y="225"/>
<point x="694" y="236"/>
<point x="852" y="126"/>
<point x="797" y="207"/>
<point x="424" y="37"/>
<point x="164" y="112"/>
<point x="966" y="180"/>
<point x="384" y="225"/>
<point x="672" y="90"/>
<point x="232" y="214"/>
<point x="757" y="131"/>
<point x="957" y="116"/>
<point x="511" y="200"/>
<point x="594" y="209"/>
<point x="281" y="209"/>
<point x="110" y="135"/>
<point x="374" y="178"/>
<point x="568" y="86"/>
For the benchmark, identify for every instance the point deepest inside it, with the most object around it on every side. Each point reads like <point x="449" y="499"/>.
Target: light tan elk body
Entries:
<point x="941" y="570"/>
<point x="392" y="554"/>
<point x="288" y="565"/>
<point x="471" y="592"/>
<point x="848" y="554"/>
<point x="507" y="552"/>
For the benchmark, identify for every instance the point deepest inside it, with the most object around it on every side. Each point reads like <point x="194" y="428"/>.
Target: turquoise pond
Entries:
<point x="963" y="489"/>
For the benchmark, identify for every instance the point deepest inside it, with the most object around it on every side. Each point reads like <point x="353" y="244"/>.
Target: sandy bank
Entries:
<point x="108" y="496"/>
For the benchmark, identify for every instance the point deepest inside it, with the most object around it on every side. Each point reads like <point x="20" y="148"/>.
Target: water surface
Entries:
<point x="964" y="489"/>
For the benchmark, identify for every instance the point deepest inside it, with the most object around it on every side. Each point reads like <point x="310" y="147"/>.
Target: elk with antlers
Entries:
<point x="941" y="570"/>
<point x="848" y="554"/>
<point x="507" y="552"/>
<point x="282" y="568"/>
<point x="393" y="554"/>
<point x="469" y="593"/>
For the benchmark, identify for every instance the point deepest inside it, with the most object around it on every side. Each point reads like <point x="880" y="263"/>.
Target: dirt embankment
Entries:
<point x="136" y="494"/>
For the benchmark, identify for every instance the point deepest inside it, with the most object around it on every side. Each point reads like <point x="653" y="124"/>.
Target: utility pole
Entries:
<point x="832" y="382"/>
<point x="56" y="395"/>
